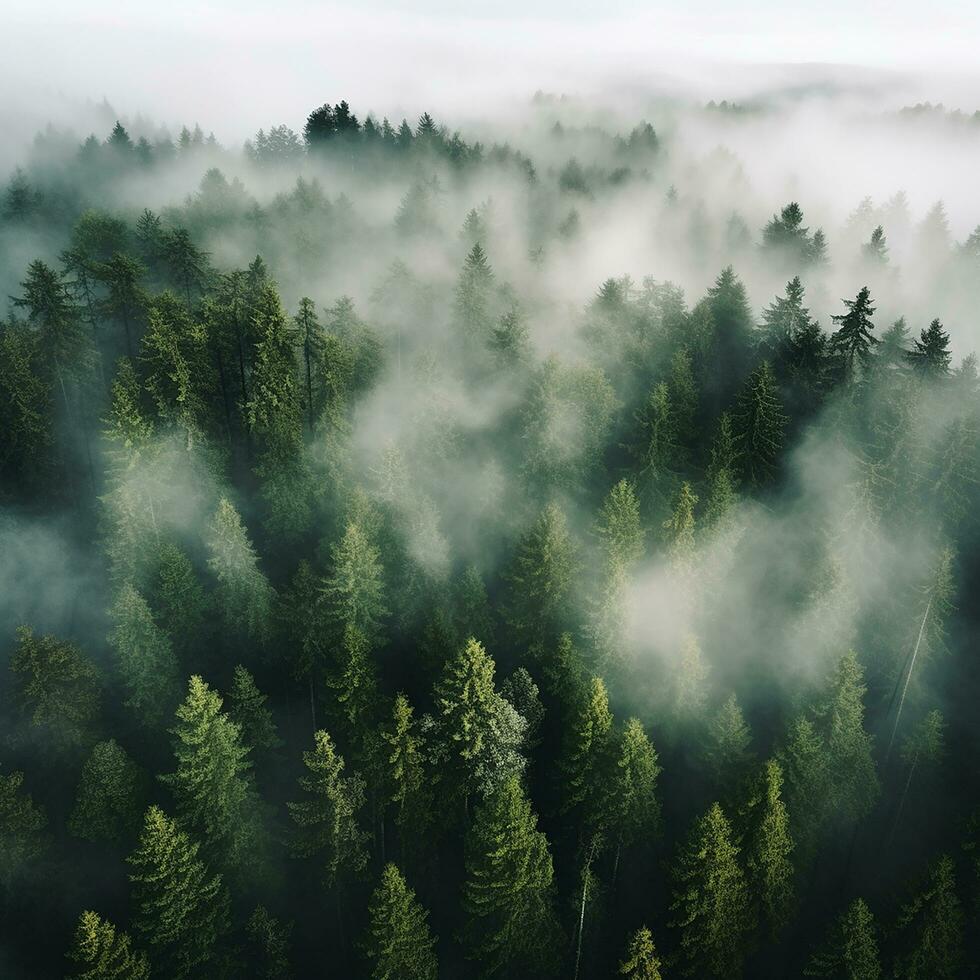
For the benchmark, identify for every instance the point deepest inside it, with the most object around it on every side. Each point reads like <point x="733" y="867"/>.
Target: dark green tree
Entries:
<point x="851" y="949"/>
<point x="111" y="795"/>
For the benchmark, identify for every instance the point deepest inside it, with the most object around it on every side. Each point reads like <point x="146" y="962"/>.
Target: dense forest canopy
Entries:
<point x="529" y="553"/>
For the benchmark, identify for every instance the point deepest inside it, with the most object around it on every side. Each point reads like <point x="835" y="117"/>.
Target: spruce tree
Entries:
<point x="179" y="600"/>
<point x="22" y="826"/>
<point x="930" y="354"/>
<point x="398" y="941"/>
<point x="56" y="689"/>
<point x="727" y="749"/>
<point x="634" y="809"/>
<point x="212" y="783"/>
<point x="642" y="961"/>
<point x="181" y="909"/>
<point x="268" y="946"/>
<point x="853" y="340"/>
<point x="586" y="761"/>
<point x="930" y="928"/>
<point x="619" y="524"/>
<point x="507" y="895"/>
<point x="353" y="592"/>
<point x="804" y="763"/>
<point x="711" y="900"/>
<point x="102" y="952"/>
<point x="770" y="870"/>
<point x="246" y="708"/>
<point x="851" y="949"/>
<point x="326" y="820"/>
<point x="759" y="422"/>
<point x="406" y="776"/>
<point x="110" y="798"/>
<point x="145" y="656"/>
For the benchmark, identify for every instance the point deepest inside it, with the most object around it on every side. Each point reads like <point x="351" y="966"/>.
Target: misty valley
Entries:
<point x="534" y="545"/>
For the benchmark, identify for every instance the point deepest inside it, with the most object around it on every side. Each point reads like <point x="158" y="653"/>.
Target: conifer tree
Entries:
<point x="268" y="946"/>
<point x="56" y="689"/>
<point x="102" y="952"/>
<point x="146" y="659"/>
<point x="110" y="797"/>
<point x="244" y="594"/>
<point x="689" y="691"/>
<point x="406" y="775"/>
<point x="634" y="809"/>
<point x="853" y="340"/>
<point x="246" y="708"/>
<point x="803" y="761"/>
<point x="398" y="941"/>
<point x="727" y="749"/>
<point x="893" y="350"/>
<point x="181" y="909"/>
<point x="759" y="422"/>
<point x="783" y="320"/>
<point x="930" y="928"/>
<point x="587" y="760"/>
<point x="655" y="448"/>
<point x="212" y="782"/>
<point x="474" y="295"/>
<point x="619" y="524"/>
<point x="22" y="825"/>
<point x="512" y="928"/>
<point x="327" y="819"/>
<point x="930" y="354"/>
<point x="679" y="530"/>
<point x="642" y="961"/>
<point x="875" y="251"/>
<point x="178" y="598"/>
<point x="540" y="578"/>
<point x="353" y="592"/>
<point x="732" y="317"/>
<point x="711" y="900"/>
<point x="851" y="949"/>
<point x="770" y="870"/>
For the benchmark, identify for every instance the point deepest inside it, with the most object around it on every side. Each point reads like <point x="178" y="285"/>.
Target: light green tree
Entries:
<point x="398" y="941"/>
<point x="851" y="949"/>
<point x="102" y="952"/>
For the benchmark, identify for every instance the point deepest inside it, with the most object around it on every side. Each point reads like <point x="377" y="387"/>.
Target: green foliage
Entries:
<point x="642" y="961"/>
<point x="246" y="708"/>
<point x="111" y="795"/>
<point x="104" y="953"/>
<point x="268" y="945"/>
<point x="759" y="422"/>
<point x="507" y="894"/>
<point x="22" y="824"/>
<point x="635" y="815"/>
<point x="353" y="592"/>
<point x="619" y="524"/>
<point x="851" y="949"/>
<point x="768" y="859"/>
<point x="398" y="941"/>
<point x="586" y="760"/>
<point x="711" y="900"/>
<point x="727" y="750"/>
<point x="181" y="909"/>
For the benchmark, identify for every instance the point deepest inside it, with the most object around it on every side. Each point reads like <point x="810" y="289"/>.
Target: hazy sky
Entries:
<point x="237" y="65"/>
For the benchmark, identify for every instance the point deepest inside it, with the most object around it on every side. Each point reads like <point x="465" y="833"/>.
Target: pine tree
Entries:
<point x="930" y="929"/>
<point x="893" y="351"/>
<point x="783" y="320"/>
<point x="930" y="354"/>
<point x="642" y="961"/>
<point x="179" y="599"/>
<point x="803" y="761"/>
<point x="586" y="761"/>
<point x="853" y="787"/>
<point x="633" y="805"/>
<point x="727" y="753"/>
<point x="353" y="592"/>
<point x="406" y="776"/>
<point x="110" y="798"/>
<point x="655" y="448"/>
<point x="770" y="870"/>
<point x="268" y="945"/>
<point x="724" y="450"/>
<point x="853" y="340"/>
<point x="876" y="250"/>
<point x="327" y="819"/>
<point x="683" y="396"/>
<point x="711" y="900"/>
<point x="104" y="953"/>
<point x="759" y="422"/>
<point x="212" y="782"/>
<point x="732" y="317"/>
<point x="181" y="909"/>
<point x="145" y="656"/>
<point x="679" y="530"/>
<point x="22" y="825"/>
<point x="541" y="577"/>
<point x="619" y="525"/>
<point x="851" y="949"/>
<point x="244" y="594"/>
<point x="508" y="891"/>
<point x="56" y="689"/>
<point x="398" y="942"/>
<point x="246" y="708"/>
<point x="474" y="295"/>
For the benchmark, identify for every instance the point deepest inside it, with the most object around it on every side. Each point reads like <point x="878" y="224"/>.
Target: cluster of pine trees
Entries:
<point x="559" y="672"/>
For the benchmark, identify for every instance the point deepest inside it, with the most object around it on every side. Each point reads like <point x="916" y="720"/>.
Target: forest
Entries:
<point x="539" y="551"/>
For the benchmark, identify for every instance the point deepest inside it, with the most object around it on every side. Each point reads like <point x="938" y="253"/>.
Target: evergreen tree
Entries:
<point x="104" y="953"/>
<point x="508" y="891"/>
<point x="679" y="530"/>
<point x="642" y="961"/>
<point x="179" y="599"/>
<point x="540" y="578"/>
<point x="930" y="354"/>
<point x="656" y="446"/>
<point x="930" y="929"/>
<point x="182" y="910"/>
<point x="268" y="944"/>
<point x="587" y="759"/>
<point x="110" y="797"/>
<point x="22" y="825"/>
<point x="398" y="941"/>
<point x="246" y="708"/>
<point x="853" y="340"/>
<point x="56" y="689"/>
<point x="633" y="804"/>
<point x="770" y="871"/>
<point x="727" y="753"/>
<point x="803" y="761"/>
<point x="353" y="593"/>
<point x="851" y="949"/>
<point x="145" y="656"/>
<point x="619" y="524"/>
<point x="875" y="251"/>
<point x="327" y="819"/>
<point x="711" y="900"/>
<point x="474" y="295"/>
<point x="732" y="316"/>
<point x="893" y="351"/>
<point x="406" y="775"/>
<point x="759" y="422"/>
<point x="212" y="781"/>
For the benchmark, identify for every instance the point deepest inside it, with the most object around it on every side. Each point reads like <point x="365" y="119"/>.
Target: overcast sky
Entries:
<point x="239" y="64"/>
